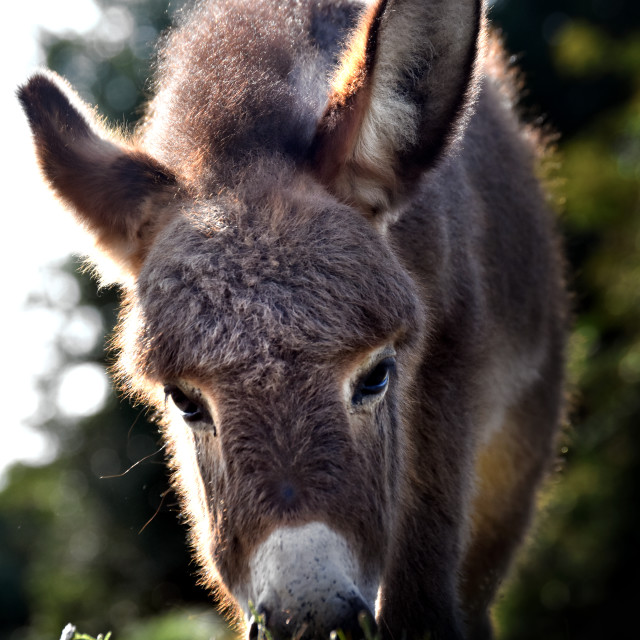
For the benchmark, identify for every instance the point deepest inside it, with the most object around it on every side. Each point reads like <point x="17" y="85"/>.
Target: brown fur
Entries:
<point x="282" y="229"/>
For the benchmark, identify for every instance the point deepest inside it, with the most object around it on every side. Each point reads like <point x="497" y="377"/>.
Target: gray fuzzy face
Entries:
<point x="284" y="332"/>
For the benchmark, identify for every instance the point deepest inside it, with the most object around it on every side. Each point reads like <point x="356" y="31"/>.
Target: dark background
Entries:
<point x="109" y="553"/>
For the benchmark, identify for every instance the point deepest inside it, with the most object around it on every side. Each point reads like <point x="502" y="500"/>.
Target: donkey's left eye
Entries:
<point x="375" y="382"/>
<point x="192" y="411"/>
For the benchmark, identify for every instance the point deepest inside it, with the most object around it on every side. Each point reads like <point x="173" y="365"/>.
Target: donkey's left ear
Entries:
<point x="399" y="99"/>
<point x="115" y="191"/>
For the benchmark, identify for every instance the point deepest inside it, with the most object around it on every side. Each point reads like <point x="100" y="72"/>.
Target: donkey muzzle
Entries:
<point x="305" y="584"/>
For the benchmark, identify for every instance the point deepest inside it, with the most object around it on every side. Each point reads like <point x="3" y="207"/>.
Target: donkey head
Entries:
<point x="267" y="316"/>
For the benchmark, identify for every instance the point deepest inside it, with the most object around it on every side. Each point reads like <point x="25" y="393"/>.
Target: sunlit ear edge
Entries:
<point x="116" y="191"/>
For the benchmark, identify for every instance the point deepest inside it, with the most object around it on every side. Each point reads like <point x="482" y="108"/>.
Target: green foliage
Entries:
<point x="70" y="633"/>
<point x="259" y="619"/>
<point x="75" y="544"/>
<point x="180" y="624"/>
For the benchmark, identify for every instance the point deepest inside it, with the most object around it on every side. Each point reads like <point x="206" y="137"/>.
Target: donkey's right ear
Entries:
<point x="117" y="192"/>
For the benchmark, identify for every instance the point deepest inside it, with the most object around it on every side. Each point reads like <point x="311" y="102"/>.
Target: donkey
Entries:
<point x="343" y="295"/>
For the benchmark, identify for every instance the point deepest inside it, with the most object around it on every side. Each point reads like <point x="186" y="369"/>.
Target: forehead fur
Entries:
<point x="241" y="75"/>
<point x="254" y="278"/>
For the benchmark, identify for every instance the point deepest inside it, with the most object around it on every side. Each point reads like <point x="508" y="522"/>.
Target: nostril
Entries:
<point x="253" y="629"/>
<point x="357" y="624"/>
<point x="368" y="624"/>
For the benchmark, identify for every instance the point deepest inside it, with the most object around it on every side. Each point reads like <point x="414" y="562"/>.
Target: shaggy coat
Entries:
<point x="343" y="295"/>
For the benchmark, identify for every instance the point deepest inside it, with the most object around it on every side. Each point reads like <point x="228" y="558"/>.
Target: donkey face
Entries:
<point x="307" y="268"/>
<point x="283" y="332"/>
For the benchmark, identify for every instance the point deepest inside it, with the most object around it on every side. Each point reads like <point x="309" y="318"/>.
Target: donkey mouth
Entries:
<point x="356" y="623"/>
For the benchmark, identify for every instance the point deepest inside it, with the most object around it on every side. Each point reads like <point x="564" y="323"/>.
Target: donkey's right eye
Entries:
<point x="192" y="412"/>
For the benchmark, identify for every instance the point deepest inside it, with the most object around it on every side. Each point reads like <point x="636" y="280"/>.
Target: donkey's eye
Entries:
<point x="192" y="412"/>
<point x="375" y="382"/>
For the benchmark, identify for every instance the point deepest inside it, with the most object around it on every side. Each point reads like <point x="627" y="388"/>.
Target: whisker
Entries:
<point x="134" y="465"/>
<point x="133" y="424"/>
<point x="162" y="497"/>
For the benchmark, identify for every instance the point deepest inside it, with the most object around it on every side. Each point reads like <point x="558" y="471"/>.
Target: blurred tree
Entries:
<point x="73" y="544"/>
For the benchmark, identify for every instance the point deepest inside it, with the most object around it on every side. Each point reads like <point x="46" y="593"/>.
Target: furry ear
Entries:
<point x="116" y="192"/>
<point x="399" y="98"/>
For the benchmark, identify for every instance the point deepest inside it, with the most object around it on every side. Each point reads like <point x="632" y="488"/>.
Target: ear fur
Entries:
<point x="399" y="99"/>
<point x="117" y="192"/>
